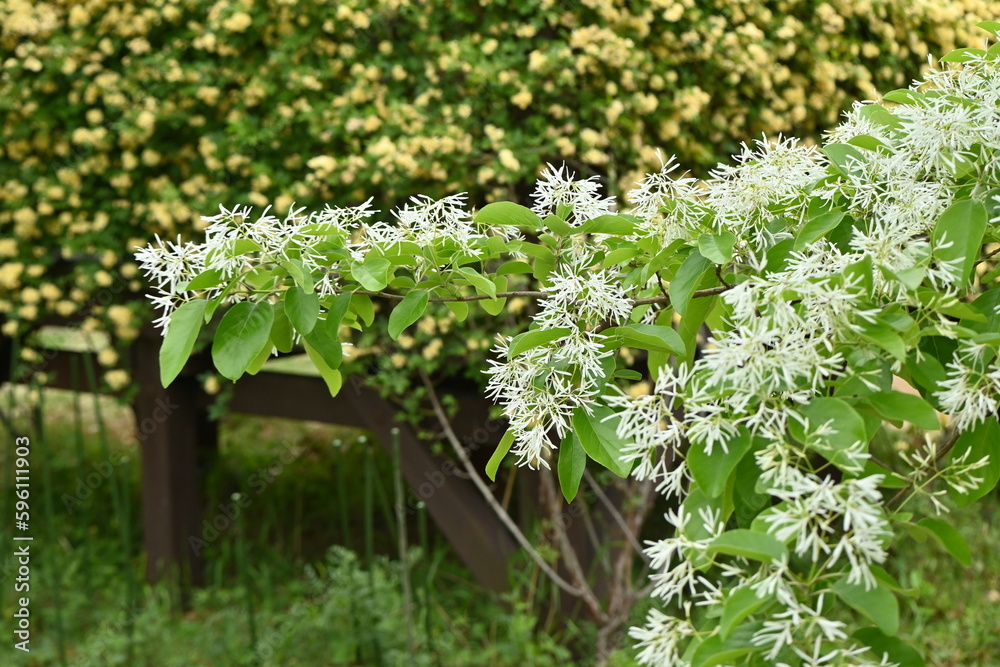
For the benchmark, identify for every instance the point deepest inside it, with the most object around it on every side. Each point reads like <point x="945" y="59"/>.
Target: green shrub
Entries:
<point x="121" y="120"/>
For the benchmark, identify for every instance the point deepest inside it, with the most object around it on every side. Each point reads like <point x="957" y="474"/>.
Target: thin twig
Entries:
<point x="711" y="291"/>
<point x="569" y="557"/>
<point x="470" y="297"/>
<point x="488" y="496"/>
<point x="948" y="440"/>
<point x="613" y="511"/>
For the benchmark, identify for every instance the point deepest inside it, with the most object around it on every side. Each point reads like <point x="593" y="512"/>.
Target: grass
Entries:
<point x="287" y="585"/>
<point x="294" y="582"/>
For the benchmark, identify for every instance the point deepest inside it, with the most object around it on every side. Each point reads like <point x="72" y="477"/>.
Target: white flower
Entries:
<point x="169" y="264"/>
<point x="971" y="392"/>
<point x="557" y="187"/>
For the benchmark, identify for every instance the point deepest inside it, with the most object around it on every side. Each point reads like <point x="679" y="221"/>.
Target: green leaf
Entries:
<point x="243" y="331"/>
<point x="949" y="538"/>
<point x="545" y="261"/>
<point x="299" y="274"/>
<point x="572" y="463"/>
<point x="748" y="544"/>
<point x="778" y="255"/>
<point x="332" y="377"/>
<point x="599" y="439"/>
<point x="534" y="338"/>
<point x="686" y="281"/>
<point x="336" y="311"/>
<point x="557" y="226"/>
<point x="244" y="246"/>
<point x="459" y="308"/>
<point x="689" y="326"/>
<point x="740" y="603"/>
<point x="843" y="156"/>
<point x="407" y="312"/>
<point x="361" y="305"/>
<point x="979" y="441"/>
<point x="507" y="268"/>
<point x="878" y="604"/>
<point x="182" y="332"/>
<point x="962" y="55"/>
<point x="988" y="305"/>
<point x="963" y="225"/>
<point x="884" y="336"/>
<point x="302" y="308"/>
<point x="897" y="406"/>
<point x="620" y="256"/>
<point x="712" y="471"/>
<point x="373" y="273"/>
<point x="817" y="228"/>
<point x="898" y="651"/>
<point x="501" y="451"/>
<point x="482" y="284"/>
<point x="261" y="358"/>
<point x="281" y="331"/>
<point x="718" y="651"/>
<point x="508" y="213"/>
<point x="324" y="339"/>
<point x="205" y="280"/>
<point x="652" y="337"/>
<point x="846" y="427"/>
<point x="717" y="248"/>
<point x="617" y="225"/>
<point x="903" y="96"/>
<point x="867" y="142"/>
<point x="991" y="26"/>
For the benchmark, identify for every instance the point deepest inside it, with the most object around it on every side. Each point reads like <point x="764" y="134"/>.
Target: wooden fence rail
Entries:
<point x="177" y="440"/>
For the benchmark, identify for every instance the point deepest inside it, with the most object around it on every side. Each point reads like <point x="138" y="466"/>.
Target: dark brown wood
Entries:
<point x="177" y="441"/>
<point x="176" y="438"/>
<point x="294" y="397"/>
<point x="456" y="506"/>
<point x="460" y="512"/>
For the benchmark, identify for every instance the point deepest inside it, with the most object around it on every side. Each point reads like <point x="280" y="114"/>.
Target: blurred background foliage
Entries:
<point x="121" y="120"/>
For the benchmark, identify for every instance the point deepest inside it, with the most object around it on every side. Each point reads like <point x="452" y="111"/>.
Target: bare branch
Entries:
<point x="488" y="496"/>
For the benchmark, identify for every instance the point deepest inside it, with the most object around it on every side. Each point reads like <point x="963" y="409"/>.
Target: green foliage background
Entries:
<point x="124" y="119"/>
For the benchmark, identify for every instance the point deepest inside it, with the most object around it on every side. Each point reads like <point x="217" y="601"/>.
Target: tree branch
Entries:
<point x="488" y="496"/>
<point x="532" y="294"/>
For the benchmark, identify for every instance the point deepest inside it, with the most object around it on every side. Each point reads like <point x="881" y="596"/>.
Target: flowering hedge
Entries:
<point x="124" y="119"/>
<point x="818" y="277"/>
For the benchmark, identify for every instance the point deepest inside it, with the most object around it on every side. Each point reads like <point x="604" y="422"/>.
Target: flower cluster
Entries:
<point x="124" y="125"/>
<point x="735" y="341"/>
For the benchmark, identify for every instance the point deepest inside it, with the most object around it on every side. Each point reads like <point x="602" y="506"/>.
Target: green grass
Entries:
<point x="290" y="583"/>
<point x="282" y="590"/>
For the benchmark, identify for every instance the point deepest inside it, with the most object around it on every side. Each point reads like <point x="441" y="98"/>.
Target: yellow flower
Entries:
<point x="433" y="349"/>
<point x="117" y="379"/>
<point x="398" y="360"/>
<point x="49" y="291"/>
<point x="8" y="248"/>
<point x="30" y="295"/>
<point x="522" y="99"/>
<point x="139" y="46"/>
<point x="146" y="120"/>
<point x="507" y="159"/>
<point x="107" y="357"/>
<point x="211" y="385"/>
<point x="65" y="308"/>
<point x="10" y="274"/>
<point x="238" y="22"/>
